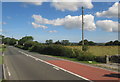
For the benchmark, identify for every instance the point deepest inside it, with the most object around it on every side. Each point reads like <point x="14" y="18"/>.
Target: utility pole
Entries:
<point x="82" y="28"/>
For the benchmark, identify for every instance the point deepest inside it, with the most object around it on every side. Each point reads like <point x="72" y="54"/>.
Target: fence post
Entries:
<point x="107" y="59"/>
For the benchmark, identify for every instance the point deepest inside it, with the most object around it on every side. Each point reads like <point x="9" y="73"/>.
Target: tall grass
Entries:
<point x="100" y="50"/>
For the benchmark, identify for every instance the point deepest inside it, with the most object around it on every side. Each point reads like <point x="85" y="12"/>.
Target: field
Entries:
<point x="100" y="50"/>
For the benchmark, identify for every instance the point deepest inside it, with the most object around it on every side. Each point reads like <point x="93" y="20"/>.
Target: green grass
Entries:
<point x="75" y="59"/>
<point x="0" y="49"/>
<point x="0" y="54"/>
<point x="0" y="59"/>
<point x="100" y="50"/>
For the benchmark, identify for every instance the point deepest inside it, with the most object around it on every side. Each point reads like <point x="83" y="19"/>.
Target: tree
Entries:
<point x="58" y="42"/>
<point x="49" y="41"/>
<point x="9" y="41"/>
<point x="116" y="42"/>
<point x="109" y="43"/>
<point x="65" y="42"/>
<point x="1" y="38"/>
<point x="29" y="44"/>
<point x="6" y="40"/>
<point x="24" y="39"/>
<point x="12" y="41"/>
<point x="85" y="42"/>
<point x="91" y="43"/>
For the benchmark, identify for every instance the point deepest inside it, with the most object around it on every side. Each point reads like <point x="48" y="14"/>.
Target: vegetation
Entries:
<point x="1" y="59"/>
<point x="90" y="51"/>
<point x="0" y="54"/>
<point x="111" y="43"/>
<point x="99" y="50"/>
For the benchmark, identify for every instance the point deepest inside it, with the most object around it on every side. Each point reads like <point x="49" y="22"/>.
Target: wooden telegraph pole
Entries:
<point x="82" y="28"/>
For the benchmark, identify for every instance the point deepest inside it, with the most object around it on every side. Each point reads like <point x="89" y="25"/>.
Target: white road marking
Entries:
<point x="56" y="66"/>
<point x="4" y="71"/>
<point x="8" y="71"/>
<point x="3" y="54"/>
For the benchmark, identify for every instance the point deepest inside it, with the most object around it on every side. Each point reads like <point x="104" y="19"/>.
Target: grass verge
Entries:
<point x="97" y="64"/>
<point x="76" y="60"/>
<point x="0" y="59"/>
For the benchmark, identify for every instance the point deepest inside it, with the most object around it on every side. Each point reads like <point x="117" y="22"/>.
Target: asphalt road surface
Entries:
<point x="19" y="66"/>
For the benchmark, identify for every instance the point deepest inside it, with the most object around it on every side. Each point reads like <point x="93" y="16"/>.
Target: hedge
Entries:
<point x="59" y="50"/>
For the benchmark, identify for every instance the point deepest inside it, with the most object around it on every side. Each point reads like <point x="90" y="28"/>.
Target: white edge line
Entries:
<point x="82" y="64"/>
<point x="4" y="71"/>
<point x="3" y="54"/>
<point x="56" y="66"/>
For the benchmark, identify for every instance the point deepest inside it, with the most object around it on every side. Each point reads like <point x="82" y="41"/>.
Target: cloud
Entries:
<point x="111" y="12"/>
<point x="68" y="22"/>
<point x="25" y="0"/>
<point x="52" y="31"/>
<point x="35" y="3"/>
<point x="71" y="5"/>
<point x="108" y="25"/>
<point x="39" y="26"/>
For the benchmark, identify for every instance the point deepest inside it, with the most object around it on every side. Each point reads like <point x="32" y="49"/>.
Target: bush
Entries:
<point x="72" y="53"/>
<point x="37" y="48"/>
<point x="77" y="52"/>
<point x="85" y="56"/>
<point x="85" y="48"/>
<point x="28" y="44"/>
<point x="56" y="50"/>
<point x="68" y="52"/>
<point x="59" y="50"/>
<point x="19" y="46"/>
<point x="115" y="58"/>
<point x="101" y="59"/>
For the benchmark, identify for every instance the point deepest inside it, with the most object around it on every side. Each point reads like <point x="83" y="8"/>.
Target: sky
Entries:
<point x="60" y="21"/>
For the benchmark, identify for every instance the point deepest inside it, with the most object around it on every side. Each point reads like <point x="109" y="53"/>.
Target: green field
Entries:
<point x="100" y="50"/>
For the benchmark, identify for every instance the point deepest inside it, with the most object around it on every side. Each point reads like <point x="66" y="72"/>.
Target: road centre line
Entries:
<point x="54" y="66"/>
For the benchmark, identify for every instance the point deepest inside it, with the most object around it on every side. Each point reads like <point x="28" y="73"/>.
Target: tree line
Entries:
<point x="29" y="39"/>
<point x="57" y="48"/>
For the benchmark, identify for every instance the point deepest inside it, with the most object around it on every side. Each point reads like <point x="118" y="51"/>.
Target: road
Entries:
<point x="23" y="65"/>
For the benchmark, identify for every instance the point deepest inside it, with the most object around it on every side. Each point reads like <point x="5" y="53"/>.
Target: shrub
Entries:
<point x="56" y="50"/>
<point x="37" y="48"/>
<point x="85" y="56"/>
<point x="19" y="46"/>
<point x="59" y="50"/>
<point x="85" y="48"/>
<point x="28" y="44"/>
<point x="115" y="58"/>
<point x="68" y="52"/>
<point x="101" y="59"/>
<point x="77" y="52"/>
<point x="72" y="53"/>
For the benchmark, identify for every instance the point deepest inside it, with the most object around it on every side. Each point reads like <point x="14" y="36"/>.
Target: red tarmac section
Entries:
<point x="89" y="72"/>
